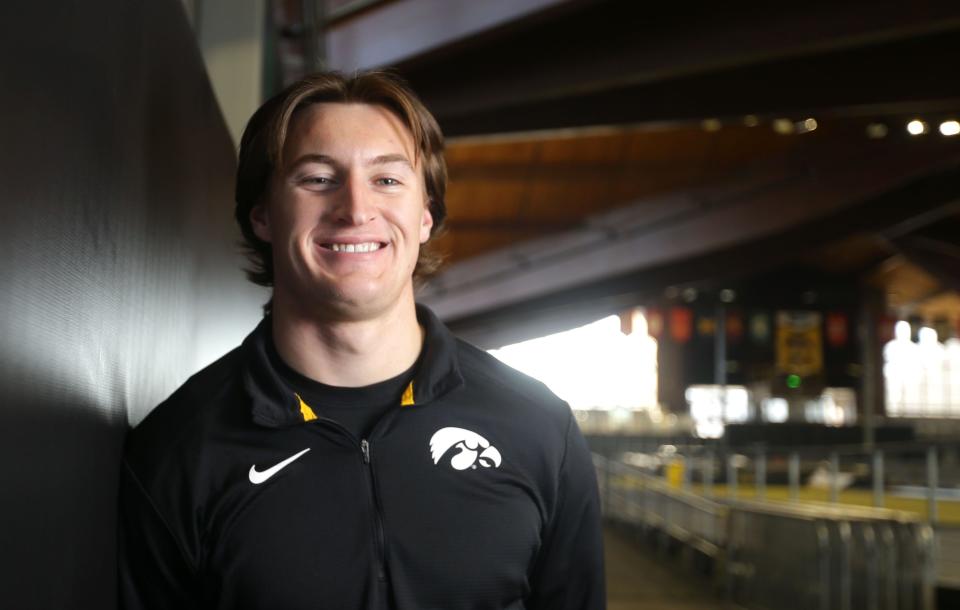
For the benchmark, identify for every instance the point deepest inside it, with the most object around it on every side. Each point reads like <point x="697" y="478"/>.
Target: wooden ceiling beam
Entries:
<point x="386" y="33"/>
<point x="939" y="259"/>
<point x="752" y="254"/>
<point x="622" y="62"/>
<point x="902" y="77"/>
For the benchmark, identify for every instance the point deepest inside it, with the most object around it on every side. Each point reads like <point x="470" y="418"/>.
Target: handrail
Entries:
<point x="819" y="510"/>
<point x="784" y="555"/>
<point x="687" y="497"/>
<point x="823" y="563"/>
<point x="843" y="449"/>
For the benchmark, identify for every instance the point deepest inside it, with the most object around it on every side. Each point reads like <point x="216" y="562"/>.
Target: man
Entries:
<point x="351" y="453"/>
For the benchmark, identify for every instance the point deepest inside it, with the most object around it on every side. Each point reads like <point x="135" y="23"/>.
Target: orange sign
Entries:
<point x="681" y="324"/>
<point x="837" y="333"/>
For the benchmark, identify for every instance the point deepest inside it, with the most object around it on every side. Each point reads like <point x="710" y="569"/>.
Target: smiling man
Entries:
<point x="352" y="453"/>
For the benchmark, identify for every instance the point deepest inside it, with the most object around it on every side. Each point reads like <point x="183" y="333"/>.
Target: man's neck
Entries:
<point x="348" y="353"/>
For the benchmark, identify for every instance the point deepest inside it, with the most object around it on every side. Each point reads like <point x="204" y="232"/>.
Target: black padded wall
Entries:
<point x="119" y="274"/>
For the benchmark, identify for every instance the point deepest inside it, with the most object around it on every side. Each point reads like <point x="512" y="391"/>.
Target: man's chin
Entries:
<point x="352" y="302"/>
<point x="350" y="297"/>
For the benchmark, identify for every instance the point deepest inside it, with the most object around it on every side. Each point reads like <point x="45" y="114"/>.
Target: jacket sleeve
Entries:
<point x="569" y="573"/>
<point x="154" y="572"/>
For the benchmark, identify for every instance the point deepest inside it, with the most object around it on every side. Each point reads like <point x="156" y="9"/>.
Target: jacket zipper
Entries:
<point x="372" y="487"/>
<point x="380" y="539"/>
<point x="378" y="513"/>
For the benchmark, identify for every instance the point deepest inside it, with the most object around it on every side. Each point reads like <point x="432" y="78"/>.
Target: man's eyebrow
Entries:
<point x="388" y="159"/>
<point x="313" y="158"/>
<point x="378" y="160"/>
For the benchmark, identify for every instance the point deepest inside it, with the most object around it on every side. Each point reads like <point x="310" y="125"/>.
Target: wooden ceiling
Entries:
<point x="575" y="108"/>
<point x="507" y="189"/>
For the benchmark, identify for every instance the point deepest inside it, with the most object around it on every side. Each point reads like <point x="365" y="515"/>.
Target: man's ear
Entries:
<point x="426" y="224"/>
<point x="260" y="221"/>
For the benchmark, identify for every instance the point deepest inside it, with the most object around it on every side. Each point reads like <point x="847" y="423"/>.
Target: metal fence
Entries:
<point x="633" y="497"/>
<point x="784" y="556"/>
<point x="948" y="556"/>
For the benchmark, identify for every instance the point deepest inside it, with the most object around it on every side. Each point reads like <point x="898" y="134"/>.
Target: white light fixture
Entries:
<point x="950" y="128"/>
<point x="916" y="127"/>
<point x="783" y="126"/>
<point x="711" y="124"/>
<point x="806" y="126"/>
<point x="876" y="131"/>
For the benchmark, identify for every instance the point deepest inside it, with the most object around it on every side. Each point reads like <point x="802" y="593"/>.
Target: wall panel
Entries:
<point x="119" y="274"/>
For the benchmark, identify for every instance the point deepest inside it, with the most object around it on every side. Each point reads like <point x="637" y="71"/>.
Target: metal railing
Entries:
<point x="816" y="556"/>
<point x="633" y="497"/>
<point x="784" y="556"/>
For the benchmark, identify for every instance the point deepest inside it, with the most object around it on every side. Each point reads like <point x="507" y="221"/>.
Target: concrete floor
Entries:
<point x="638" y="579"/>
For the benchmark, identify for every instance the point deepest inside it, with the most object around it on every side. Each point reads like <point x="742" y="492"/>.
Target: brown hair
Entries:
<point x="261" y="150"/>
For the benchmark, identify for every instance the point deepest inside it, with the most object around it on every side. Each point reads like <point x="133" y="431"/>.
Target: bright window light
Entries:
<point x="902" y="330"/>
<point x="728" y="403"/>
<point x="922" y="378"/>
<point x="776" y="410"/>
<point x="712" y="428"/>
<point x="594" y="366"/>
<point x="713" y="406"/>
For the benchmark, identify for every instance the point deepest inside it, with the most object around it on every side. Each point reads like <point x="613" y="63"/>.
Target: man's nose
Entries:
<point x="355" y="205"/>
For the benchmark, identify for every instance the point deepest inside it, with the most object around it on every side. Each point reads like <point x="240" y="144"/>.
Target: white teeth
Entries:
<point x="365" y="247"/>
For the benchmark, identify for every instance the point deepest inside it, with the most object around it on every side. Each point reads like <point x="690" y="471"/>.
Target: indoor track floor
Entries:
<point x="638" y="579"/>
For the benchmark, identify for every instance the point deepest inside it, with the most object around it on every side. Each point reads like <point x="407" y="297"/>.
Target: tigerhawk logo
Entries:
<point x="473" y="449"/>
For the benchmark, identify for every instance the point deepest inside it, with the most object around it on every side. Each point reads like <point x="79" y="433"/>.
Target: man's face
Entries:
<point x="346" y="213"/>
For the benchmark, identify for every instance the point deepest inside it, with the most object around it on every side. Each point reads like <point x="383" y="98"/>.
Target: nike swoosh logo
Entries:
<point x="259" y="477"/>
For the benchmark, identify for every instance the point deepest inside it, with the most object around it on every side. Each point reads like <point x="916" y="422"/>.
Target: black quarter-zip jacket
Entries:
<point x="476" y="492"/>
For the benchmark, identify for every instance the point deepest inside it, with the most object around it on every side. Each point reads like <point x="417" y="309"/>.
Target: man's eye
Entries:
<point x="316" y="182"/>
<point x="388" y="182"/>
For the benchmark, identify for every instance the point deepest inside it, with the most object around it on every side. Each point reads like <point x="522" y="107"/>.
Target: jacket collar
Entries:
<point x="275" y="405"/>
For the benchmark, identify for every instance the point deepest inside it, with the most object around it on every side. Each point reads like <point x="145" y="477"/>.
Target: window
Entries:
<point x="595" y="367"/>
<point x="922" y="378"/>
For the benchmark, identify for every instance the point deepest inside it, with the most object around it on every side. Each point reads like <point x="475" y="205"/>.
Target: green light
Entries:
<point x="793" y="381"/>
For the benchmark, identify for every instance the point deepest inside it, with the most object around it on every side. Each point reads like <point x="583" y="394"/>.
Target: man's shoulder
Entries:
<point x="490" y="376"/>
<point x="521" y="413"/>
<point x="186" y="412"/>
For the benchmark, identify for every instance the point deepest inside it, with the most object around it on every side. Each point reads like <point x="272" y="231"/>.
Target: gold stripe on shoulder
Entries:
<point x="407" y="399"/>
<point x="305" y="410"/>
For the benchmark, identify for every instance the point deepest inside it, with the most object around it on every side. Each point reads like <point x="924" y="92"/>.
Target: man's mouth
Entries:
<point x="369" y="246"/>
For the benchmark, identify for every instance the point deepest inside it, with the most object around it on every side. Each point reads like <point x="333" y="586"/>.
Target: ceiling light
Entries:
<point x="805" y="126"/>
<point x="711" y="124"/>
<point x="950" y="128"/>
<point x="875" y="131"/>
<point x="783" y="126"/>
<point x="916" y="127"/>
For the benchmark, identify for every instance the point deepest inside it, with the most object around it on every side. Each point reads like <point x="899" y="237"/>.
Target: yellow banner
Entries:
<point x="799" y="343"/>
